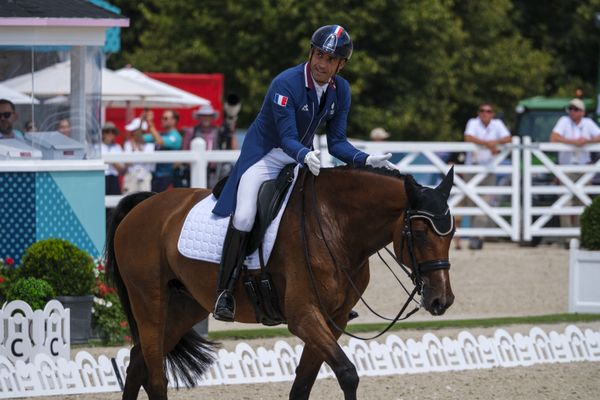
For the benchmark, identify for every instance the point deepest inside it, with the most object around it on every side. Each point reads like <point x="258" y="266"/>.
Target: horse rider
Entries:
<point x="297" y="102"/>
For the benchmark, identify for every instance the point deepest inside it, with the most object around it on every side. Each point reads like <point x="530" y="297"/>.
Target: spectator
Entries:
<point x="577" y="130"/>
<point x="30" y="126"/>
<point x="488" y="132"/>
<point x="8" y="116"/>
<point x="64" y="127"/>
<point x="138" y="177"/>
<point x="109" y="146"/>
<point x="379" y="135"/>
<point x="168" y="139"/>
<point x="208" y="130"/>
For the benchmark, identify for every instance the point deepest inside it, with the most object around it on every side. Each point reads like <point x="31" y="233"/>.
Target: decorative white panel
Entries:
<point x="25" y="333"/>
<point x="47" y="376"/>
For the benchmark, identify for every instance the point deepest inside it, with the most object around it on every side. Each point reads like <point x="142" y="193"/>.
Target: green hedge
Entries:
<point x="590" y="225"/>
<point x="33" y="291"/>
<point x="69" y="270"/>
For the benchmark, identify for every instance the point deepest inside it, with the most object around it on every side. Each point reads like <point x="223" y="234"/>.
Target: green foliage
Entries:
<point x="108" y="318"/>
<point x="7" y="275"/>
<point x="68" y="269"/>
<point x="419" y="69"/>
<point x="33" y="291"/>
<point x="590" y="225"/>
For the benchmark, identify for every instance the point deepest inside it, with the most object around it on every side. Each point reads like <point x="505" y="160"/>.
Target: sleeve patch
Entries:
<point x="280" y="100"/>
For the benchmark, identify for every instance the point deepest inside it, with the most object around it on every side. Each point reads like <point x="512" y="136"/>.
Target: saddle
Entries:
<point x="259" y="286"/>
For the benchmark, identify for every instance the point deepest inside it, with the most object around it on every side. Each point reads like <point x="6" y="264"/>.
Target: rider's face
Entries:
<point x="324" y="65"/>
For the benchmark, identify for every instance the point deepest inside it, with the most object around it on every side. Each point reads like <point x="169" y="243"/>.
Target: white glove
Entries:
<point x="381" y="161"/>
<point x="313" y="162"/>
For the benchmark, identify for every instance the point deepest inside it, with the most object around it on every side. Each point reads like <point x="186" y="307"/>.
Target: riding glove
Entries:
<point x="381" y="161"/>
<point x="313" y="162"/>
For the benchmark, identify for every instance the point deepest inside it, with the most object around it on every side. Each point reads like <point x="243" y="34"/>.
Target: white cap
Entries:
<point x="577" y="103"/>
<point x="135" y="124"/>
<point x="205" y="109"/>
<point x="379" y="134"/>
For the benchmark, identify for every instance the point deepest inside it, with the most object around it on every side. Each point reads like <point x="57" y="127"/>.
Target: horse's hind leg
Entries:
<point x="183" y="312"/>
<point x="321" y="345"/>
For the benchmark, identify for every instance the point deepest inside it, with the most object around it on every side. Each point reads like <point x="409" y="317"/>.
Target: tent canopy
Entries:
<point x="15" y="96"/>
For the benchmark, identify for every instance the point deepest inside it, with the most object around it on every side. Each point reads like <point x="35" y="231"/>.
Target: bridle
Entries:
<point x="418" y="268"/>
<point x="414" y="273"/>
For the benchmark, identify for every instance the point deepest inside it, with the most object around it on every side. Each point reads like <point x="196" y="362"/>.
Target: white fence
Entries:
<point x="510" y="204"/>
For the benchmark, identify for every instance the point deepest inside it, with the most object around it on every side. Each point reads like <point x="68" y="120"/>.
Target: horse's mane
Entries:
<point x="378" y="171"/>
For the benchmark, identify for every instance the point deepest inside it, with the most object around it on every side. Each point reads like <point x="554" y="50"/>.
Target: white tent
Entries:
<point x="174" y="97"/>
<point x="15" y="96"/>
<point x="56" y="81"/>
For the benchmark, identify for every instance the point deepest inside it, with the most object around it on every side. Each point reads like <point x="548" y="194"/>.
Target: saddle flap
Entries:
<point x="270" y="198"/>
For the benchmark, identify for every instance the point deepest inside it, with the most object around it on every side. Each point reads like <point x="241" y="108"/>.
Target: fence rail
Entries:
<point x="511" y="202"/>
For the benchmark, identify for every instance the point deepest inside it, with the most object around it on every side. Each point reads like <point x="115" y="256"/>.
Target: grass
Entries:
<point x="261" y="333"/>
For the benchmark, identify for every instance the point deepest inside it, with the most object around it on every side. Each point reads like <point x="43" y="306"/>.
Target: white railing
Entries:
<point x="560" y="182"/>
<point x="509" y="204"/>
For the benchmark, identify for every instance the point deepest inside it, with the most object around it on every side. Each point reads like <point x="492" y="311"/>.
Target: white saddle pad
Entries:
<point x="203" y="232"/>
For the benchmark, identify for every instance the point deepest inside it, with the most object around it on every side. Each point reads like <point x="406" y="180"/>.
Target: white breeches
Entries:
<point x="265" y="169"/>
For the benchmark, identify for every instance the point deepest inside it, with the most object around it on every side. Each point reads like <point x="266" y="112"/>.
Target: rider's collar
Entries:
<point x="308" y="79"/>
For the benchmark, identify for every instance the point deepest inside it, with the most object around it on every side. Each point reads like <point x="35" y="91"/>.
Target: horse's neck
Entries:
<point x="361" y="207"/>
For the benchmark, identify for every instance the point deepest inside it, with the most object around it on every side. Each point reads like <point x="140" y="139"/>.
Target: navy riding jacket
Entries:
<point x="288" y="119"/>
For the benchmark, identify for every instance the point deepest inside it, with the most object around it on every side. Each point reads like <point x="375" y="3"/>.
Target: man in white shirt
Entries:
<point x="487" y="132"/>
<point x="577" y="130"/>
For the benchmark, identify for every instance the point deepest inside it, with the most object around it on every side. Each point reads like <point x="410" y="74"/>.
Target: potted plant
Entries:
<point x="33" y="291"/>
<point x="70" y="271"/>
<point x="584" y="263"/>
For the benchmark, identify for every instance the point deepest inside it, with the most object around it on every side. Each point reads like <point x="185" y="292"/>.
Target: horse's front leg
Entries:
<point x="321" y="345"/>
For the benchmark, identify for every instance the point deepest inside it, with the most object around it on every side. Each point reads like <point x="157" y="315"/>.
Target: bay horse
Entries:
<point x="332" y="224"/>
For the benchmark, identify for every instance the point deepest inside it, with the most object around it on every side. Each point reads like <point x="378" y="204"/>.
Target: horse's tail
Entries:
<point x="126" y="204"/>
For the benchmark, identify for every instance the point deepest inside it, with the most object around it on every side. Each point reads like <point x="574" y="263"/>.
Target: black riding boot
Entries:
<point x="234" y="252"/>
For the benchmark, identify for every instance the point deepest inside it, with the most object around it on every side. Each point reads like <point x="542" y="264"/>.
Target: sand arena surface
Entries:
<point x="503" y="279"/>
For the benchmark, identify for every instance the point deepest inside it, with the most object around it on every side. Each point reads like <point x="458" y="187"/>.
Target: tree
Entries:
<point x="419" y="69"/>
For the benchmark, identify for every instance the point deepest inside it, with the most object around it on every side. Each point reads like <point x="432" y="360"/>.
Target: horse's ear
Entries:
<point x="410" y="185"/>
<point x="446" y="185"/>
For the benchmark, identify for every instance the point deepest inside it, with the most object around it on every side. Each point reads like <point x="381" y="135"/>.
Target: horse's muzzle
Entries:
<point x="437" y="299"/>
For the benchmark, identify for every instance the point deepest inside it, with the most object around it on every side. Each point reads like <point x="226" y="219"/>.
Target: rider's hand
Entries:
<point x="313" y="162"/>
<point x="380" y="161"/>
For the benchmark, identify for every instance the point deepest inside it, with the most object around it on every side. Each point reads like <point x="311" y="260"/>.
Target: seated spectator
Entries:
<point x="64" y="127"/>
<point x="8" y="116"/>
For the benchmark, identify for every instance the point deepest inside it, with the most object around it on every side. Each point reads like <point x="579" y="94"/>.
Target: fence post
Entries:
<point x="198" y="168"/>
<point x="516" y="188"/>
<point x="527" y="189"/>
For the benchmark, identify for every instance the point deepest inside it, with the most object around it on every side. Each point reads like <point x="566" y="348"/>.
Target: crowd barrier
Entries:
<point x="530" y="189"/>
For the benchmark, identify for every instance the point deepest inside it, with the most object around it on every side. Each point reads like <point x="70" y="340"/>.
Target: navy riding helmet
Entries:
<point x="333" y="39"/>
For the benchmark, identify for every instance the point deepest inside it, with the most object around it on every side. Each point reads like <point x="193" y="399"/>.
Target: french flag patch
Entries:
<point x="280" y="100"/>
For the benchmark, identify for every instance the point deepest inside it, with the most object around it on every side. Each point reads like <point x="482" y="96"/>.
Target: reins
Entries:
<point x="415" y="277"/>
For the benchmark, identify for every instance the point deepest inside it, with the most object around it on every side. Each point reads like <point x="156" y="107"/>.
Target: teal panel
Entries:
<point x="17" y="213"/>
<point x="84" y="190"/>
<point x="58" y="211"/>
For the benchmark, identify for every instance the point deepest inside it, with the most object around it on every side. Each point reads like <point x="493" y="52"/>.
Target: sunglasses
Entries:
<point x="574" y="109"/>
<point x="6" y="114"/>
<point x="486" y="110"/>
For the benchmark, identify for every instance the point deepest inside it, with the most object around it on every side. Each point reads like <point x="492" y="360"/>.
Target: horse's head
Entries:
<point x="422" y="241"/>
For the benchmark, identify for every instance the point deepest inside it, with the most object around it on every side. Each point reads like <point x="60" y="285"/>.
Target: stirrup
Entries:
<point x="225" y="307"/>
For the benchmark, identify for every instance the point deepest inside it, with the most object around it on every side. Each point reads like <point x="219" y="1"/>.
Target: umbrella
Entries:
<point x="15" y="96"/>
<point x="174" y="97"/>
<point x="56" y="81"/>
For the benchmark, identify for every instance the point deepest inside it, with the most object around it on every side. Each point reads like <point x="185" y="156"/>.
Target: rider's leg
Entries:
<point x="236" y="240"/>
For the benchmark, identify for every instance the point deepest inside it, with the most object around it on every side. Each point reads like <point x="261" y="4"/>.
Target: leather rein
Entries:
<point x="413" y="273"/>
